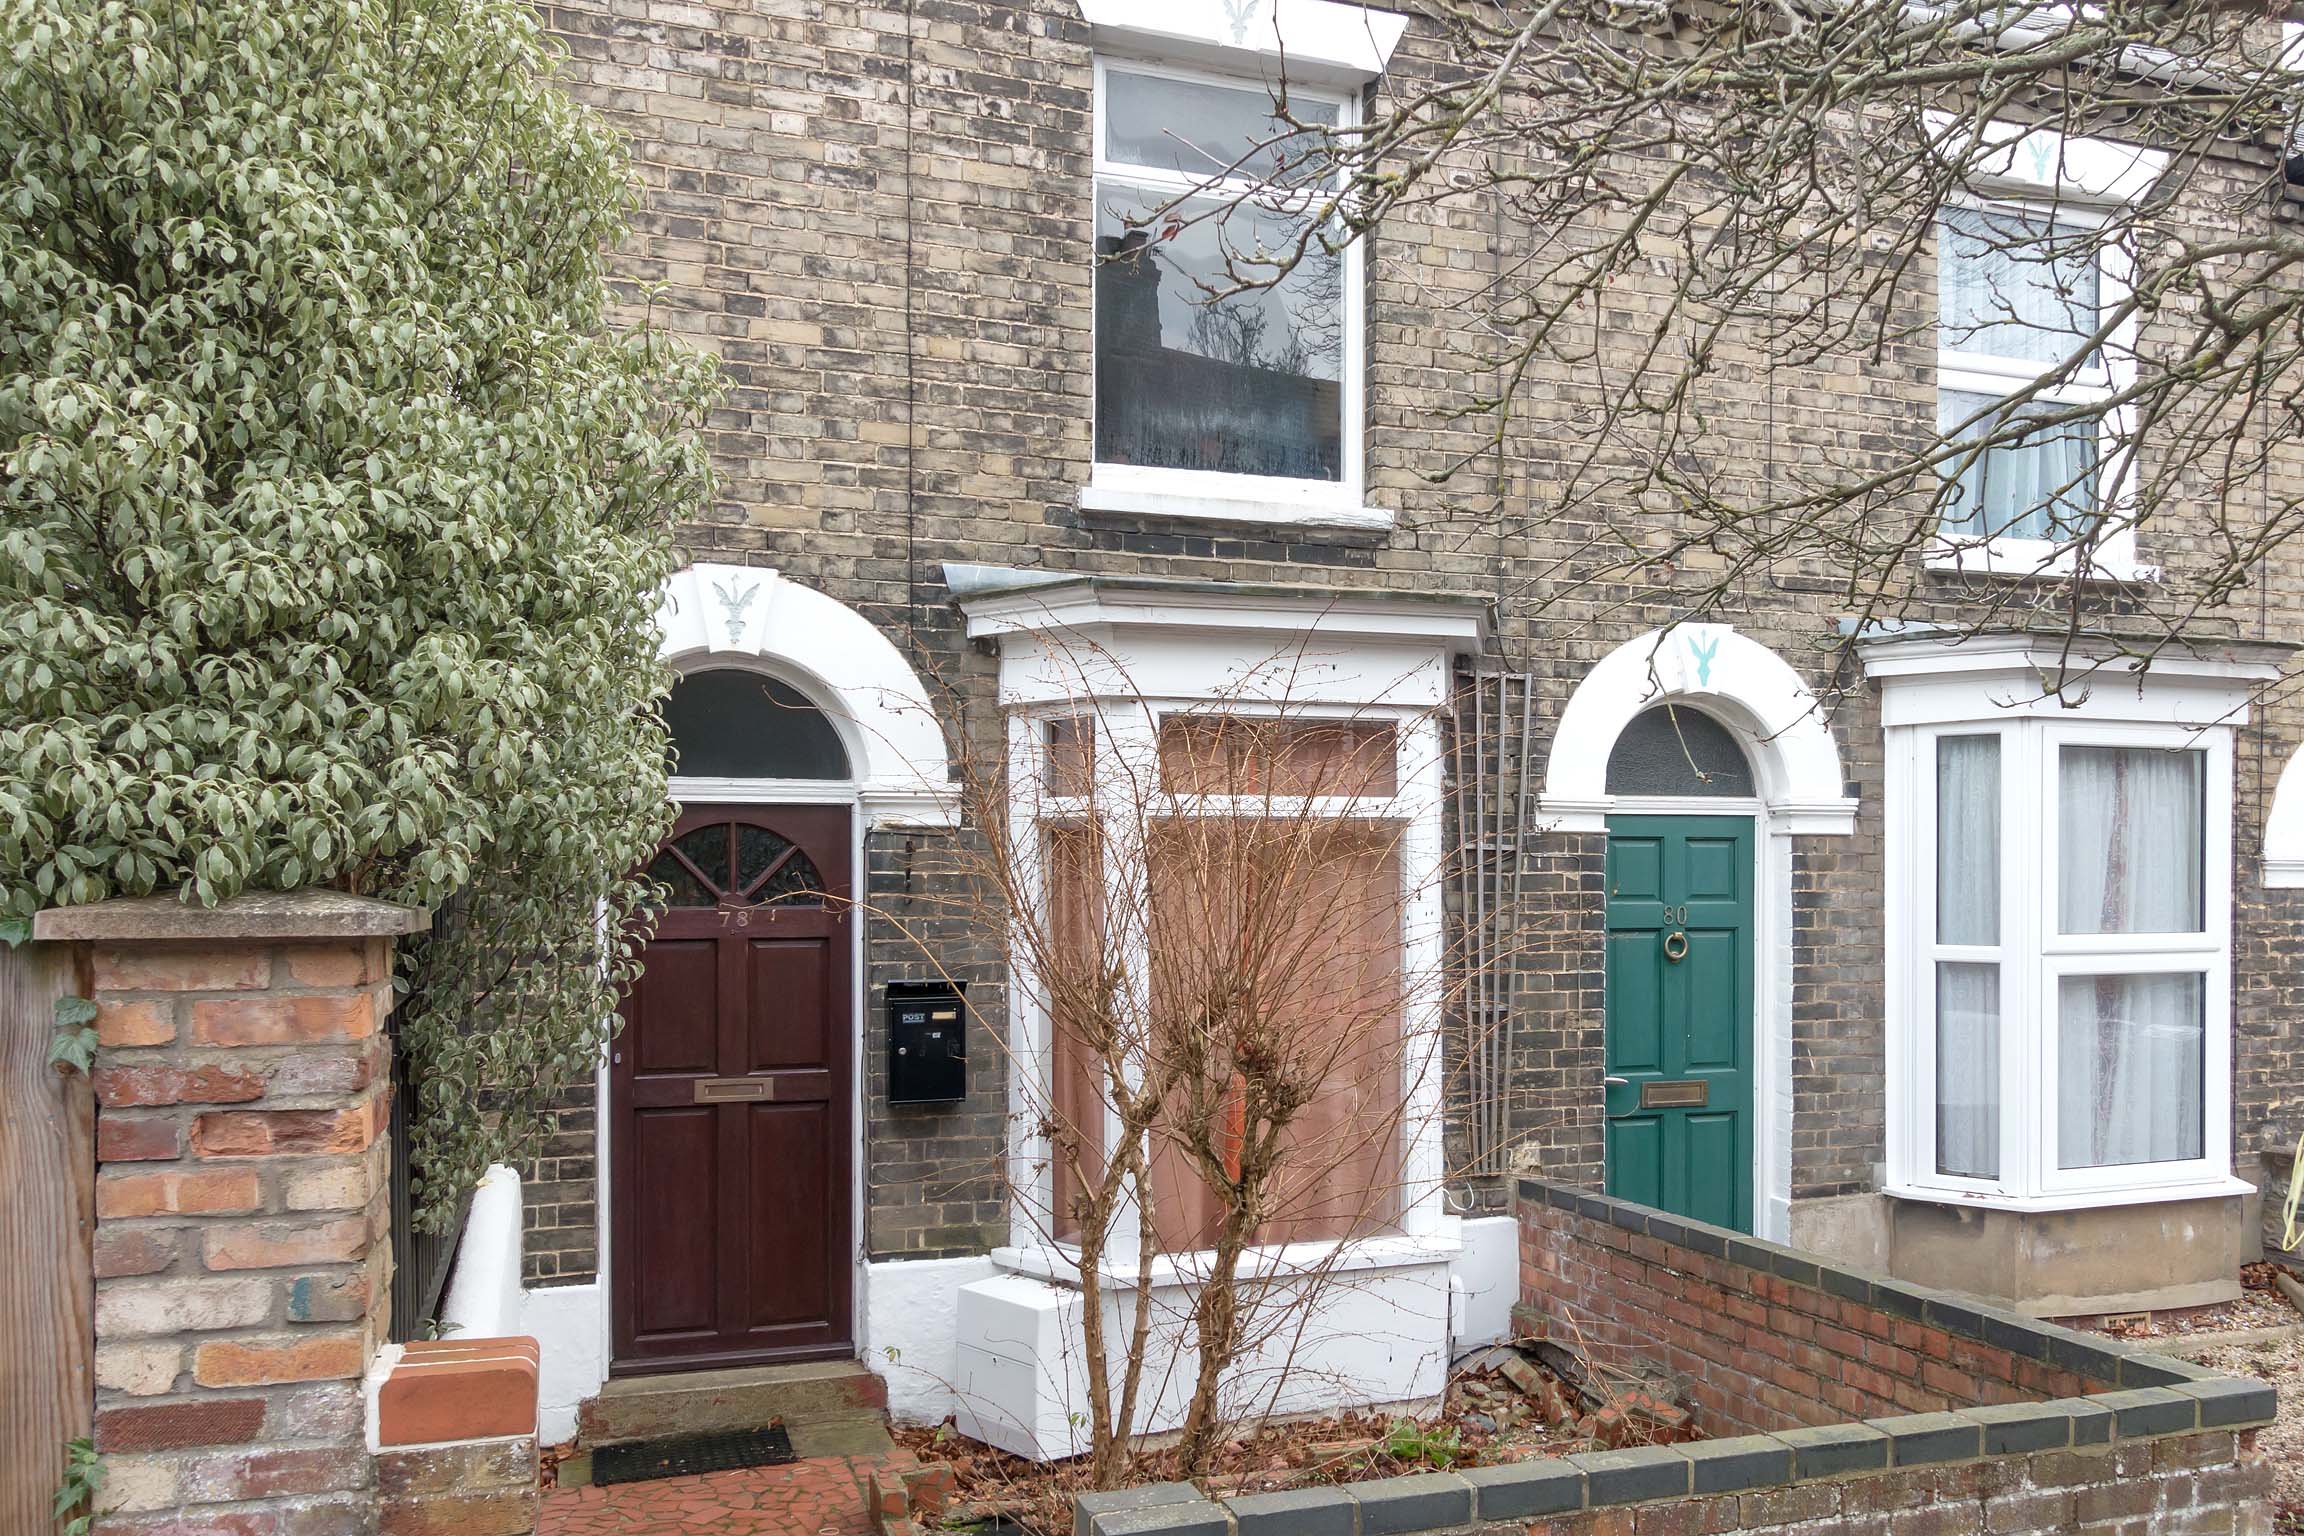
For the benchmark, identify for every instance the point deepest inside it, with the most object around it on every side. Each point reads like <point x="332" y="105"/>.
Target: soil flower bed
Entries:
<point x="1503" y="1404"/>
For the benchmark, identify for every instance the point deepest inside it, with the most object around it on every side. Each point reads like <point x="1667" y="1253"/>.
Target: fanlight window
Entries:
<point x="1672" y="751"/>
<point x="729" y="724"/>
<point x="737" y="864"/>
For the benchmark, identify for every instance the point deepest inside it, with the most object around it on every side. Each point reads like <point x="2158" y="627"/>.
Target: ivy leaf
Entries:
<point x="14" y="931"/>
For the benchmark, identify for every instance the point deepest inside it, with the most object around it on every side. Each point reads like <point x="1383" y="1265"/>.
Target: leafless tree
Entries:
<point x="1696" y="202"/>
<point x="1228" y="971"/>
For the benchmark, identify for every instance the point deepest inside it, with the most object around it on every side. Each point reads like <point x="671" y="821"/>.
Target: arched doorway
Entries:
<point x="1680" y="1060"/>
<point x="1716" y="738"/>
<point x="731" y="1087"/>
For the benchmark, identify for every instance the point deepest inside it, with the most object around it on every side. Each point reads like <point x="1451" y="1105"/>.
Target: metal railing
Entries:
<point x="420" y="1260"/>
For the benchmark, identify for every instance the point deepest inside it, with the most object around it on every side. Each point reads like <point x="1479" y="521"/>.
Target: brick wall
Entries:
<point x="1835" y="1401"/>
<point x="879" y="217"/>
<point x="1768" y="1338"/>
<point x="241" y="1251"/>
<point x="2190" y="1484"/>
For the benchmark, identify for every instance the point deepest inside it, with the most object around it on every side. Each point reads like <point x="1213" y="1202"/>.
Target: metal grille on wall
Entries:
<point x="420" y="1260"/>
<point x="1492" y="779"/>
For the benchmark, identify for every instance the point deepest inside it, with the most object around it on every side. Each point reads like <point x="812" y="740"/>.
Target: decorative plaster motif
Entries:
<point x="1703" y="649"/>
<point x="734" y="598"/>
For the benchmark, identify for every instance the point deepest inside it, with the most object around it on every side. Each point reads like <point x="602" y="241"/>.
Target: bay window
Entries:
<point x="2059" y="927"/>
<point x="1227" y="305"/>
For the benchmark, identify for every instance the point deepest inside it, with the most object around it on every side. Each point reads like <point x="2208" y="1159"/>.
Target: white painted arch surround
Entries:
<point x="1731" y="677"/>
<point x="2284" y="829"/>
<point x="754" y="617"/>
<point x="1776" y="718"/>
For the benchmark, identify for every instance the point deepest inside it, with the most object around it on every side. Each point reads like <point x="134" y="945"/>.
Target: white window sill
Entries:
<point x="2032" y="559"/>
<point x="1186" y="506"/>
<point x="1046" y="1261"/>
<point x="2222" y="1188"/>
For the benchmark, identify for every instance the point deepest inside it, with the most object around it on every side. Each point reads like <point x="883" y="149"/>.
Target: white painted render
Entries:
<point x="1729" y="676"/>
<point x="482" y="1300"/>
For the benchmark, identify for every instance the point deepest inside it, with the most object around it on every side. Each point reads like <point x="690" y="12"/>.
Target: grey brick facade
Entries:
<point x="879" y="216"/>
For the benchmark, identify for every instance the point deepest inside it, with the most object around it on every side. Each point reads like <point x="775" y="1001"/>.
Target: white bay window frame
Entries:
<point x="1937" y="688"/>
<point x="1129" y="654"/>
<point x="1216" y="495"/>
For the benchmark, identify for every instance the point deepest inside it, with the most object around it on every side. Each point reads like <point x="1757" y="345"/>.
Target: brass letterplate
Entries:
<point x="1687" y="1093"/>
<point x="734" y="1090"/>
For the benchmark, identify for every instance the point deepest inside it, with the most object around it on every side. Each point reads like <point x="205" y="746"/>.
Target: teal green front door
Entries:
<point x="1679" y="1087"/>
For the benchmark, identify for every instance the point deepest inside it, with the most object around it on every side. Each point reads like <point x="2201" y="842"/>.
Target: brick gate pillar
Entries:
<point x="242" y="1245"/>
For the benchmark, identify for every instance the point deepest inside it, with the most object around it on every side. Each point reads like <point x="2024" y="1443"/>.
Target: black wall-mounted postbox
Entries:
<point x="927" y="1042"/>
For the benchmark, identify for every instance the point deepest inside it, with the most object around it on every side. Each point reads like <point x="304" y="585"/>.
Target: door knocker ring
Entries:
<point x="1676" y="937"/>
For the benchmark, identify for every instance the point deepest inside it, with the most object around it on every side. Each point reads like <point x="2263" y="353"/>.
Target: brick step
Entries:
<point x="822" y="1403"/>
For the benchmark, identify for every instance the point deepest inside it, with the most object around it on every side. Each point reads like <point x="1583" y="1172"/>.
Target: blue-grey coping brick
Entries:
<point x="2146" y="1411"/>
<point x="1521" y="1489"/>
<point x="1195" y="1519"/>
<point x="1631" y="1476"/>
<point x="2014" y="1428"/>
<point x="2230" y="1402"/>
<point x="2151" y="1371"/>
<point x="1833" y="1450"/>
<point x="1744" y="1461"/>
<point x="1795" y="1267"/>
<point x="1702" y="1239"/>
<point x="1918" y="1439"/>
<point x="2083" y="1356"/>
<point x="1904" y="1301"/>
<point x="1428" y="1501"/>
<point x="1295" y="1512"/>
<point x="1088" y="1506"/>
<point x="1847" y="1284"/>
<point x="2091" y="1421"/>
<point x="1667" y="1229"/>
<point x="1954" y="1316"/>
<point x="2013" y="1332"/>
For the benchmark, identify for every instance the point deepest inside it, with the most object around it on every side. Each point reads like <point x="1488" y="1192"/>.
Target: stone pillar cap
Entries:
<point x="305" y="914"/>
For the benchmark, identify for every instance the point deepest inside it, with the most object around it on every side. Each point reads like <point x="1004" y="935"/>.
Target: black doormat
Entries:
<point x="638" y="1461"/>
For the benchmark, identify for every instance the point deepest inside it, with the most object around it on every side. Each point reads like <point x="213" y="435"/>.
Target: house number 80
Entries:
<point x="1676" y="914"/>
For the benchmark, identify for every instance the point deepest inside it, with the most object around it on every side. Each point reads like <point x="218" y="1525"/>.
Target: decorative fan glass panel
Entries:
<point x="737" y="864"/>
<point x="1672" y="751"/>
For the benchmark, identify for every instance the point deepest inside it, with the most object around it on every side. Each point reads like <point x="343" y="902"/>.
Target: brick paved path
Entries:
<point x="821" y="1496"/>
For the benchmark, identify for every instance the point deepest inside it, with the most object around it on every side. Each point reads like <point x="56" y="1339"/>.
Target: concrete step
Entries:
<point x="829" y="1404"/>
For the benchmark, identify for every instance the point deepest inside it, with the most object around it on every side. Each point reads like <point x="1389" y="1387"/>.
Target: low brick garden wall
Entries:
<point x="1768" y="1338"/>
<point x="1839" y="1401"/>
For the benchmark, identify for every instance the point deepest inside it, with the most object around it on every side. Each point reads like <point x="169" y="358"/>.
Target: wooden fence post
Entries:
<point x="47" y="1222"/>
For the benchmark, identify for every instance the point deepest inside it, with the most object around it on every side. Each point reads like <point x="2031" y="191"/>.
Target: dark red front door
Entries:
<point x="729" y="1096"/>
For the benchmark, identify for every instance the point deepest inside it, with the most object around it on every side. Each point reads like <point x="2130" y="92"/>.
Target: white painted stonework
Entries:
<point x="751" y="616"/>
<point x="482" y="1300"/>
<point x="911" y="1332"/>
<point x="570" y="1326"/>
<point x="2284" y="830"/>
<point x="1324" y="41"/>
<point x="1356" y="1337"/>
<point x="1733" y="678"/>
